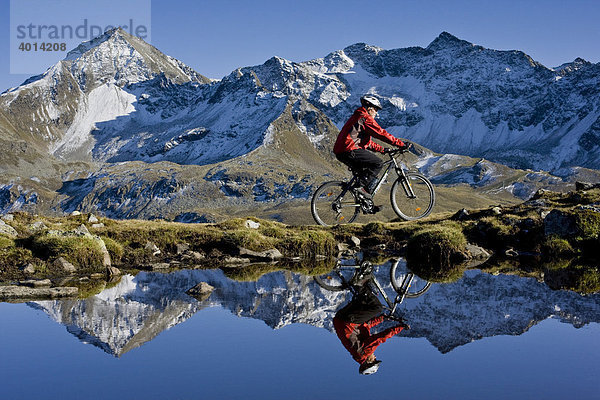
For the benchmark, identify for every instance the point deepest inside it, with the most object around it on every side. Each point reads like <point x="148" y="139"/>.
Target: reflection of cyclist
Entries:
<point x="355" y="139"/>
<point x="353" y="325"/>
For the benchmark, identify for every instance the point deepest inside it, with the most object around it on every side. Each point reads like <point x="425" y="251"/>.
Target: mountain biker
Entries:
<point x="354" y="142"/>
<point x="353" y="325"/>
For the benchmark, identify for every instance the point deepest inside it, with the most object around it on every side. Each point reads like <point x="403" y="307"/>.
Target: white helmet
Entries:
<point x="370" y="101"/>
<point x="369" y="368"/>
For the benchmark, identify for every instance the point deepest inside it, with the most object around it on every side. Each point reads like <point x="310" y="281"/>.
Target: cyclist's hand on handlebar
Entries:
<point x="399" y="320"/>
<point x="402" y="149"/>
<point x="406" y="147"/>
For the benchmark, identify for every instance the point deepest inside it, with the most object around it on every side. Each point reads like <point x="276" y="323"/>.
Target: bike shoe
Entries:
<point x="363" y="192"/>
<point x="361" y="279"/>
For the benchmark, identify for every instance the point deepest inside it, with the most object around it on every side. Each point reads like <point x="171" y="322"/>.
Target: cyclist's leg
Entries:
<point x="371" y="166"/>
<point x="348" y="159"/>
<point x="362" y="308"/>
<point x="365" y="163"/>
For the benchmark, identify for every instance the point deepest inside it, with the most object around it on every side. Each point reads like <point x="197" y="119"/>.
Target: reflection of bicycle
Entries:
<point x="348" y="277"/>
<point x="337" y="202"/>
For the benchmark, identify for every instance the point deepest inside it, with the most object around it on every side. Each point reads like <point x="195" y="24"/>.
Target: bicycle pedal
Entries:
<point x="376" y="209"/>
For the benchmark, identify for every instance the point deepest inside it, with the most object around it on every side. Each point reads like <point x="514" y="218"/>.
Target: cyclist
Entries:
<point x="353" y="325"/>
<point x="354" y="142"/>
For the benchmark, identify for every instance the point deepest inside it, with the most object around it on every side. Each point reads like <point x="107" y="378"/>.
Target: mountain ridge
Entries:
<point x="117" y="99"/>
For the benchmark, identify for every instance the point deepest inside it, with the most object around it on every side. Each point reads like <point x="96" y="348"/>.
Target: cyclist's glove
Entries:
<point x="399" y="320"/>
<point x="405" y="147"/>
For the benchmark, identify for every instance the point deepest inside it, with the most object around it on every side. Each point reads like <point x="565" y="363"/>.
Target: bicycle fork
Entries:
<point x="406" y="184"/>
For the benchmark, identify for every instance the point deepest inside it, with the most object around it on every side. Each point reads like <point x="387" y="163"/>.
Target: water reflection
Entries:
<point x="353" y="324"/>
<point x="449" y="315"/>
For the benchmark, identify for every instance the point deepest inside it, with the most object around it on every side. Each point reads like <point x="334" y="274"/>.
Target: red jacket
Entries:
<point x="357" y="133"/>
<point x="357" y="338"/>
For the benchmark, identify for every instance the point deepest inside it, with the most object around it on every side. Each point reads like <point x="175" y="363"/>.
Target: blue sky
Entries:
<point x="216" y="37"/>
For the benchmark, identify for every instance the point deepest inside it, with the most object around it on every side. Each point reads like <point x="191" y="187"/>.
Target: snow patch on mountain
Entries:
<point x="104" y="103"/>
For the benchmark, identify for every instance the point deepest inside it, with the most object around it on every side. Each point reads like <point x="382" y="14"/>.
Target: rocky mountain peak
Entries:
<point x="123" y="59"/>
<point x="110" y="35"/>
<point x="360" y="51"/>
<point x="573" y="66"/>
<point x="446" y="40"/>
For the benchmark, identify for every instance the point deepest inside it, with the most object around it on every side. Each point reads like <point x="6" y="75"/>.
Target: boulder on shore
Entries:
<point x="24" y="293"/>
<point x="64" y="265"/>
<point x="7" y="229"/>
<point x="267" y="255"/>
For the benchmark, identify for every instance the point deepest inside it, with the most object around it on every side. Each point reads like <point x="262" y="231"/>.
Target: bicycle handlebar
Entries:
<point x="398" y="150"/>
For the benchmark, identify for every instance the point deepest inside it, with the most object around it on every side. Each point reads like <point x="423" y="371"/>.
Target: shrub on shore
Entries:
<point x="82" y="251"/>
<point x="436" y="245"/>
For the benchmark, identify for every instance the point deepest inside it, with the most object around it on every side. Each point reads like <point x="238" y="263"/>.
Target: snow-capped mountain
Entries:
<point x="263" y="132"/>
<point x="448" y="315"/>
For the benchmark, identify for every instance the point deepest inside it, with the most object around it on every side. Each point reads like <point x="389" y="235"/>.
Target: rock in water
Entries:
<point x="201" y="291"/>
<point x="112" y="271"/>
<point x="22" y="292"/>
<point x="36" y="283"/>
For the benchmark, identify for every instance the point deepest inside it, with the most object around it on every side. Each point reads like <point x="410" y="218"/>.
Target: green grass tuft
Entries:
<point x="437" y="245"/>
<point x="557" y="247"/>
<point x="588" y="223"/>
<point x="6" y="242"/>
<point x="114" y="248"/>
<point x="435" y="253"/>
<point x="83" y="252"/>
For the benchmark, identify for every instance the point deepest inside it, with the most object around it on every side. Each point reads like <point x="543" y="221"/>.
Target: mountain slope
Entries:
<point x="120" y="128"/>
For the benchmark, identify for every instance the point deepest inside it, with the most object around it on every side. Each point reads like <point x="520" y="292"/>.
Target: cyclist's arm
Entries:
<point x="375" y="147"/>
<point x="374" y="321"/>
<point x="373" y="128"/>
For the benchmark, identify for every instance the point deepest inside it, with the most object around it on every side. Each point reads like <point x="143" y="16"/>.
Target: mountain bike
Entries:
<point x="337" y="202"/>
<point x="351" y="276"/>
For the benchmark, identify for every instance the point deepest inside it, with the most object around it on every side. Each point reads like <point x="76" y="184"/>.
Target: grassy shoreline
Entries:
<point x="556" y="234"/>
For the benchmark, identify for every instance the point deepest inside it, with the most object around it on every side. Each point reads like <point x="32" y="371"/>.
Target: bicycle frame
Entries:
<point x="390" y="305"/>
<point x="391" y="163"/>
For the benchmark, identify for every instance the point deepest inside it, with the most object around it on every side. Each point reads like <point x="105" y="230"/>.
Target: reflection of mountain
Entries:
<point x="482" y="305"/>
<point x="450" y="315"/>
<point x="139" y="308"/>
<point x="122" y="318"/>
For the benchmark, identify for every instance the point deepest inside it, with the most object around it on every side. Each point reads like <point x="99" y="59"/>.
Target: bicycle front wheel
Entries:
<point x="332" y="204"/>
<point x="412" y="198"/>
<point x="404" y="280"/>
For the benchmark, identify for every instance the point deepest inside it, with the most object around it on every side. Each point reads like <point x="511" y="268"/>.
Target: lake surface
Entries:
<point x="492" y="337"/>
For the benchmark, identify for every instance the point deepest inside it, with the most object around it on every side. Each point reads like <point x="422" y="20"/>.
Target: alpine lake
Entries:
<point x="484" y="336"/>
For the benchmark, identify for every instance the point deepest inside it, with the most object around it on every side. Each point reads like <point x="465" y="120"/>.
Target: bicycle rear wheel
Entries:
<point x="418" y="204"/>
<point x="329" y="207"/>
<point x="400" y="276"/>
